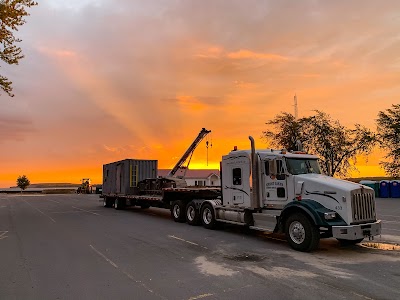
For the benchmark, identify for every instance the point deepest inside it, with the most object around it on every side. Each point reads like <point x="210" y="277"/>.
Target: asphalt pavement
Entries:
<point x="71" y="247"/>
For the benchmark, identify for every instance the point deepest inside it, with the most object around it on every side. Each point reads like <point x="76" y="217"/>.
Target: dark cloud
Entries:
<point x="15" y="128"/>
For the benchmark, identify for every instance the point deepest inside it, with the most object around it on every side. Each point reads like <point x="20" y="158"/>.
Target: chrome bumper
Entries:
<point x="355" y="232"/>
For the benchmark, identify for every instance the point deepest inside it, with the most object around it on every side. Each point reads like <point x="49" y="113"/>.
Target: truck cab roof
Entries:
<point x="274" y="152"/>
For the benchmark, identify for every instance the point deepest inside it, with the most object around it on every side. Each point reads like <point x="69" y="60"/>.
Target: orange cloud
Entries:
<point x="247" y="54"/>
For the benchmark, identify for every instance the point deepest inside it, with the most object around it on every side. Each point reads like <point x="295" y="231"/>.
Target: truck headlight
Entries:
<point x="330" y="215"/>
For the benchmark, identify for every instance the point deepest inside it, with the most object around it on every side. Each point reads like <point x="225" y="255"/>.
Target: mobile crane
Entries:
<point x="188" y="154"/>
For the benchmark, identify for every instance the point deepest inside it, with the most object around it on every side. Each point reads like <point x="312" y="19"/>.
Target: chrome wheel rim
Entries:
<point x="191" y="213"/>
<point x="207" y="216"/>
<point x="297" y="232"/>
<point x="176" y="211"/>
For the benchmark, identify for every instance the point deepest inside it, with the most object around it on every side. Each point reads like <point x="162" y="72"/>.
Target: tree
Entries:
<point x="12" y="13"/>
<point x="23" y="182"/>
<point x="388" y="125"/>
<point x="335" y="145"/>
<point x="287" y="130"/>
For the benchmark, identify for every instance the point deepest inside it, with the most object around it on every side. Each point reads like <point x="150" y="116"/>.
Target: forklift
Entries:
<point x="85" y="187"/>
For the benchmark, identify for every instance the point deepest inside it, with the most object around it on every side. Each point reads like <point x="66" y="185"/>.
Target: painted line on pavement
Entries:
<point x="70" y="212"/>
<point x="86" y="211"/>
<point x="392" y="216"/>
<point x="189" y="242"/>
<point x="125" y="273"/>
<point x="3" y="235"/>
<point x="391" y="229"/>
<point x="39" y="211"/>
<point x="54" y="201"/>
<point x="105" y="257"/>
<point x="391" y="222"/>
<point x="201" y="296"/>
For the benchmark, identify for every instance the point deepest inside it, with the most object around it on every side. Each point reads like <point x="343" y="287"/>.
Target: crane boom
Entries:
<point x="189" y="152"/>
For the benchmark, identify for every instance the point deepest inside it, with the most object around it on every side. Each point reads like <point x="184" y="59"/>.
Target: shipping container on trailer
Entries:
<point x="121" y="177"/>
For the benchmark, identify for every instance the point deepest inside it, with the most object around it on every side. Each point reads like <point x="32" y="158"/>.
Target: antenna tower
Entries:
<point x="296" y="112"/>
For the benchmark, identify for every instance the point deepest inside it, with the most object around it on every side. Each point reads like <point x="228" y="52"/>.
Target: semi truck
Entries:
<point x="270" y="190"/>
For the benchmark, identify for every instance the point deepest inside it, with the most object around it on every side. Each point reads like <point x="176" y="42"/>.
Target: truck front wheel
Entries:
<point x="301" y="233"/>
<point x="208" y="217"/>
<point x="192" y="214"/>
<point x="178" y="211"/>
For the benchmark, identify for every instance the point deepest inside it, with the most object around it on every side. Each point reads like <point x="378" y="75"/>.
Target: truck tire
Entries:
<point x="349" y="242"/>
<point x="192" y="214"/>
<point x="118" y="204"/>
<point x="301" y="233"/>
<point x="107" y="202"/>
<point x="208" y="216"/>
<point x="178" y="211"/>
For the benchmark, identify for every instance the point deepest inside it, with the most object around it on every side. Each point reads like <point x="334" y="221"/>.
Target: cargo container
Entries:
<point x="121" y="177"/>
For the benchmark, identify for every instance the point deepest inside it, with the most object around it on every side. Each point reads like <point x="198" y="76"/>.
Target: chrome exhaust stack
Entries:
<point x="255" y="195"/>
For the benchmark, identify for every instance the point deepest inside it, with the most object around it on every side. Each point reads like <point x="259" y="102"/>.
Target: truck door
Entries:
<point x="274" y="185"/>
<point x="236" y="181"/>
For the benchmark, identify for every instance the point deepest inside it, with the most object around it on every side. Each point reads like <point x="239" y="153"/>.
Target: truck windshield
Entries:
<point x="298" y="166"/>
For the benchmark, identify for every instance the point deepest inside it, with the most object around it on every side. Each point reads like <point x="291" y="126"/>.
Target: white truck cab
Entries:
<point x="281" y="191"/>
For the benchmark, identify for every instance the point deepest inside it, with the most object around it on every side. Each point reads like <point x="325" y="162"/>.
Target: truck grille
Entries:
<point x="363" y="206"/>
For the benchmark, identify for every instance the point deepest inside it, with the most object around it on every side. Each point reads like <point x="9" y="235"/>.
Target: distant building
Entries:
<point x="198" y="177"/>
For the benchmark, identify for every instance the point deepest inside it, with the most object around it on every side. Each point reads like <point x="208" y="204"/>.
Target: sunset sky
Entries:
<point x="104" y="80"/>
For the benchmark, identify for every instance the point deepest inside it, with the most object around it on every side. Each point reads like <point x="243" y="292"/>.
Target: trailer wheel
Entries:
<point x="208" y="216"/>
<point x="107" y="202"/>
<point x="178" y="211"/>
<point x="301" y="233"/>
<point x="118" y="203"/>
<point x="192" y="214"/>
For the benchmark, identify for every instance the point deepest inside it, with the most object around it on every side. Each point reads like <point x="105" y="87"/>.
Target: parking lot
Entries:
<point x="71" y="247"/>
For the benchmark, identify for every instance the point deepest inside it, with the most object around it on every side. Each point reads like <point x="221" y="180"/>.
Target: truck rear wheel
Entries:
<point x="208" y="216"/>
<point x="192" y="214"/>
<point x="178" y="211"/>
<point x="301" y="233"/>
<point x="107" y="202"/>
<point x="119" y="203"/>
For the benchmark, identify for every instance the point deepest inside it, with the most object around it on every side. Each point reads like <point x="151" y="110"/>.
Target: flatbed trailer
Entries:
<point x="175" y="199"/>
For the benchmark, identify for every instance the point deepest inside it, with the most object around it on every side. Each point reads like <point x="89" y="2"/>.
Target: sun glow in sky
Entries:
<point x="107" y="80"/>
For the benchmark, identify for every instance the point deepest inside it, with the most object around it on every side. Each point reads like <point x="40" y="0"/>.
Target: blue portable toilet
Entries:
<point x="384" y="189"/>
<point x="395" y="188"/>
